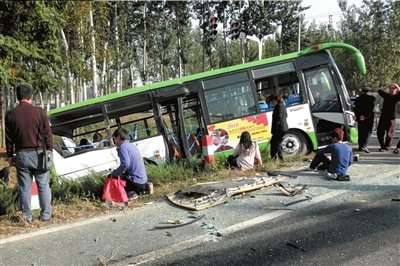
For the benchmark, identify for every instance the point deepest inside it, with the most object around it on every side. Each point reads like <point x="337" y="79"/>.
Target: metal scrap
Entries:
<point x="295" y="245"/>
<point x="168" y="226"/>
<point x="289" y="191"/>
<point x="175" y="221"/>
<point x="297" y="201"/>
<point x="202" y="196"/>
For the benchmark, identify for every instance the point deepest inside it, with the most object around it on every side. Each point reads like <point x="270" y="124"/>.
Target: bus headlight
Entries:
<point x="350" y="118"/>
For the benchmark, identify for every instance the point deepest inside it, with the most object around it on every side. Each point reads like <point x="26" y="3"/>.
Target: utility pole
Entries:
<point x="259" y="42"/>
<point x="299" y="35"/>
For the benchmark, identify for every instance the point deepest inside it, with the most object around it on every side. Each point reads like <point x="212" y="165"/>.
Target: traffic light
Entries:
<point x="235" y="30"/>
<point x="212" y="27"/>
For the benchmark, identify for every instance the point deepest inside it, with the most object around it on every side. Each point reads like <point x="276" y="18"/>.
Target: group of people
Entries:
<point x="364" y="111"/>
<point x="247" y="153"/>
<point x="28" y="134"/>
<point x="24" y="126"/>
<point x="341" y="153"/>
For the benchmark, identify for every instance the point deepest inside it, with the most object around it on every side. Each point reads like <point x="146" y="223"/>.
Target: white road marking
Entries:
<point x="146" y="257"/>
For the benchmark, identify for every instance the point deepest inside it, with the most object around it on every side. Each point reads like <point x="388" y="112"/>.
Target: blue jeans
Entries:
<point x="27" y="166"/>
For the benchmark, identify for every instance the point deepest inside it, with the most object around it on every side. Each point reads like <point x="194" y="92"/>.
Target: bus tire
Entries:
<point x="294" y="143"/>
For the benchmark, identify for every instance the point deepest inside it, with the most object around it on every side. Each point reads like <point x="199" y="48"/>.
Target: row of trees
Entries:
<point x="74" y="50"/>
<point x="110" y="45"/>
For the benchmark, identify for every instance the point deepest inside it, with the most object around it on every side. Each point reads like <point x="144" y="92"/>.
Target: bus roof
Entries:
<point x="114" y="96"/>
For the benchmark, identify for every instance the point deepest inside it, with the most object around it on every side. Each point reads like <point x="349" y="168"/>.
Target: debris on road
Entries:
<point x="294" y="244"/>
<point x="289" y="191"/>
<point x="218" y="234"/>
<point x="168" y="226"/>
<point x="175" y="221"/>
<point x="297" y="201"/>
<point x="104" y="260"/>
<point x="203" y="196"/>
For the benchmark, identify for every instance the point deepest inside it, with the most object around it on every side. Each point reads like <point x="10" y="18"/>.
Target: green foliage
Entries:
<point x="182" y="170"/>
<point x="70" y="191"/>
<point x="8" y="199"/>
<point x="370" y="29"/>
<point x="30" y="45"/>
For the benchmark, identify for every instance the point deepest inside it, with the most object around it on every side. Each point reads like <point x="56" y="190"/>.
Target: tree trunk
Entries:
<point x="144" y="77"/>
<point x="78" y="79"/>
<point x="94" y="65"/>
<point x="3" y="115"/>
<point x="178" y="27"/>
<point x="103" y="77"/>
<point x="57" y="99"/>
<point x="67" y="70"/>
<point x="118" y="81"/>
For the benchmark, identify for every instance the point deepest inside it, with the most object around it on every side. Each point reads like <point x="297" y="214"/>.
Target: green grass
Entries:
<point x="81" y="198"/>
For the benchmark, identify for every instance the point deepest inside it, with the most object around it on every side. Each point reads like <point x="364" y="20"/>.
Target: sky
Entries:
<point x="321" y="9"/>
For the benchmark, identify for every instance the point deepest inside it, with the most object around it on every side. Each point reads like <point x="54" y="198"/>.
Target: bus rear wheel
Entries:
<point x="294" y="144"/>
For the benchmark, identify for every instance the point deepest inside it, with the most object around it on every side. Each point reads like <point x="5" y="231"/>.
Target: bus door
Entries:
<point x="181" y="123"/>
<point x="326" y="107"/>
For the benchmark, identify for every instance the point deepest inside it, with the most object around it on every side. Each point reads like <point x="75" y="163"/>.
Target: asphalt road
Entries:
<point x="342" y="223"/>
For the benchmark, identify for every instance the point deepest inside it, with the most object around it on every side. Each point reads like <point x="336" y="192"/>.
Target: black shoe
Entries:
<point x="342" y="177"/>
<point x="383" y="149"/>
<point x="132" y="195"/>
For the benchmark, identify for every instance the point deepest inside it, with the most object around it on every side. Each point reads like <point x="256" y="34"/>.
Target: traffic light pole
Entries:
<point x="260" y="44"/>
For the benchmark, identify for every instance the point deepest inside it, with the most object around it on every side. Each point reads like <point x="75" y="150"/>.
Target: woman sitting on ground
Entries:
<point x="246" y="153"/>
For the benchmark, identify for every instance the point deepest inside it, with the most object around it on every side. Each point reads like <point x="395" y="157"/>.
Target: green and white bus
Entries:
<point x="166" y="119"/>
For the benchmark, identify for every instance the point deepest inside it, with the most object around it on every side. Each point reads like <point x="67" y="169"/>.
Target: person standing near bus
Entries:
<point x="23" y="135"/>
<point x="279" y="126"/>
<point x="364" y="111"/>
<point x="131" y="168"/>
<point x="246" y="153"/>
<point x="387" y="120"/>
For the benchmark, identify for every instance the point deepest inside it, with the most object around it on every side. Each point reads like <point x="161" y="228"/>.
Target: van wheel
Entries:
<point x="294" y="144"/>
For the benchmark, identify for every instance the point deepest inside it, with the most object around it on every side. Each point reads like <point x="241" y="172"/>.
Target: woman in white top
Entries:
<point x="246" y="153"/>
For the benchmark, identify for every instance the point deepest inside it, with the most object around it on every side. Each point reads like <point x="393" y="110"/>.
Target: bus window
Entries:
<point x="169" y="118"/>
<point x="286" y="84"/>
<point x="230" y="102"/>
<point x="193" y="124"/>
<point x="288" y="87"/>
<point x="82" y="134"/>
<point x="322" y="89"/>
<point x="140" y="125"/>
